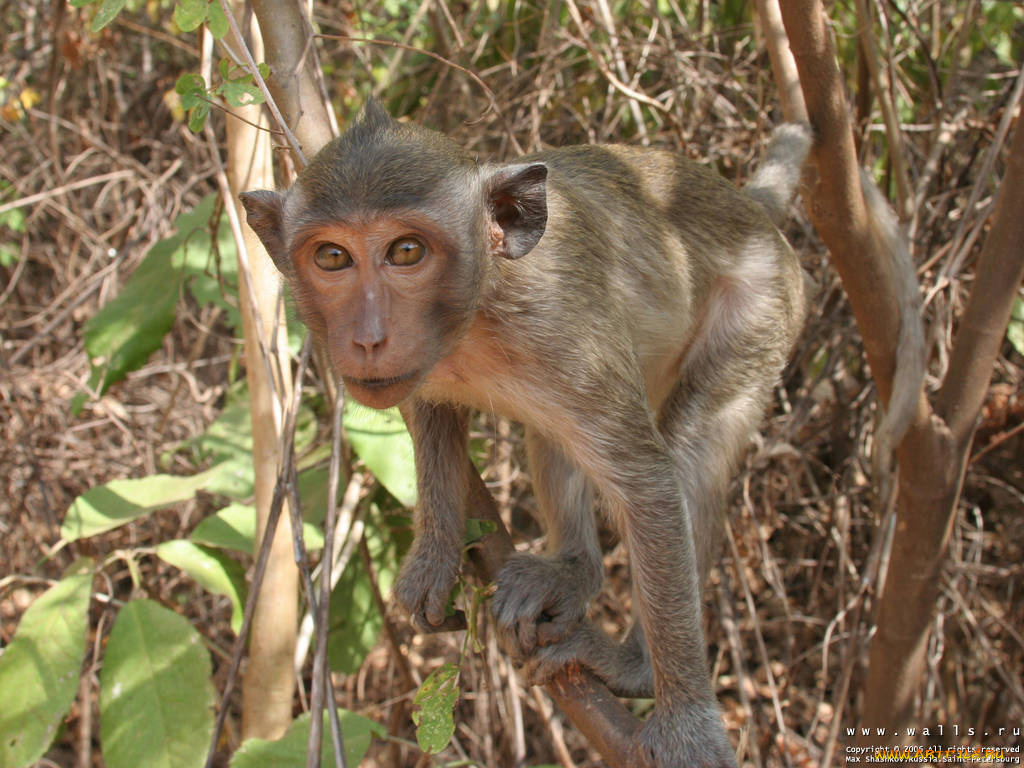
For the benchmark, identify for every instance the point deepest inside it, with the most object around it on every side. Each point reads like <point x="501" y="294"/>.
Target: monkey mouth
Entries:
<point x="381" y="391"/>
<point x="378" y="384"/>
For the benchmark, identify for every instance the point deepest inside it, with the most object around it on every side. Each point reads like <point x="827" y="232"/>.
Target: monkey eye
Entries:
<point x="331" y="257"/>
<point x="405" y="252"/>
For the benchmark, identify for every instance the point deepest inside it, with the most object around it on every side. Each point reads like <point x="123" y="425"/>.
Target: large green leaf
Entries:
<point x="290" y="750"/>
<point x="109" y="9"/>
<point x="227" y="442"/>
<point x="234" y="527"/>
<point x="156" y="699"/>
<point x="355" y="620"/>
<point x="122" y="335"/>
<point x="189" y="14"/>
<point x="120" y="501"/>
<point x="40" y="668"/>
<point x="383" y="443"/>
<point x="213" y="571"/>
<point x="434" y="704"/>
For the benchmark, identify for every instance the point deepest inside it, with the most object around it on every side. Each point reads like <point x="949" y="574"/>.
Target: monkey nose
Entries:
<point x="370" y="340"/>
<point x="370" y="346"/>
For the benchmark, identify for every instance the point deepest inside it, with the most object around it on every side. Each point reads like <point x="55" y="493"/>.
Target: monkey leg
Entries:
<point x="541" y="599"/>
<point x="624" y="667"/>
<point x="656" y="516"/>
<point x="431" y="566"/>
<point x="706" y="423"/>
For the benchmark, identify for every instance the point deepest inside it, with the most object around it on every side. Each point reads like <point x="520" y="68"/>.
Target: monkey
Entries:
<point x="629" y="307"/>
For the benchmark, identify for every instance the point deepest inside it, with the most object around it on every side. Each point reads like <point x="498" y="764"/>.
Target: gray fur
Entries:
<point x="630" y="307"/>
<point x="778" y="175"/>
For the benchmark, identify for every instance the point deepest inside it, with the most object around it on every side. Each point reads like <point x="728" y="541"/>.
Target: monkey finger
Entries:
<point x="541" y="671"/>
<point x="450" y="623"/>
<point x="554" y="631"/>
<point x="526" y="635"/>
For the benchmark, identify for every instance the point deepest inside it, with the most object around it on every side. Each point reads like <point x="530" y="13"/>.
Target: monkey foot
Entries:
<point x="692" y="736"/>
<point x="541" y="601"/>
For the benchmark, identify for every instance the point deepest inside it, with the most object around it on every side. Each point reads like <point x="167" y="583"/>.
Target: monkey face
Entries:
<point x="387" y="239"/>
<point x="379" y="293"/>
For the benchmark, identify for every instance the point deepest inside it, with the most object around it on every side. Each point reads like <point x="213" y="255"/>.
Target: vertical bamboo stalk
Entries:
<point x="269" y="682"/>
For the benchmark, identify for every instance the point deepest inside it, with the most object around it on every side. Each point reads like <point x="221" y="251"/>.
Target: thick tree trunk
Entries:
<point x="933" y="453"/>
<point x="933" y="459"/>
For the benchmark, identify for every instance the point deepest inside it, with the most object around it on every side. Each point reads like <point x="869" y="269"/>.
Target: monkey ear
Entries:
<point x="518" y="200"/>
<point x="263" y="210"/>
<point x="376" y="115"/>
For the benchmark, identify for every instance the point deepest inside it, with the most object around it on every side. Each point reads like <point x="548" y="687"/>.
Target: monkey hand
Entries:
<point x="692" y="736"/>
<point x="424" y="586"/>
<point x="542" y="600"/>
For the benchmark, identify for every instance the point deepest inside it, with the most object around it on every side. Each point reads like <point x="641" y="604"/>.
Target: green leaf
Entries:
<point x="216" y="20"/>
<point x="355" y="621"/>
<point x="313" y="486"/>
<point x="40" y="668"/>
<point x="241" y="92"/>
<point x="128" y="329"/>
<point x="434" y="706"/>
<point x="290" y="750"/>
<point x="156" y="699"/>
<point x="8" y="256"/>
<point x="212" y="281"/>
<point x="13" y="219"/>
<point x="234" y="527"/>
<point x="1015" y="330"/>
<point x="80" y="3"/>
<point x="476" y="529"/>
<point x="120" y="501"/>
<point x="109" y="9"/>
<point x="383" y="443"/>
<point x="228" y="441"/>
<point x="187" y="85"/>
<point x="212" y="570"/>
<point x="197" y="116"/>
<point x="189" y="14"/>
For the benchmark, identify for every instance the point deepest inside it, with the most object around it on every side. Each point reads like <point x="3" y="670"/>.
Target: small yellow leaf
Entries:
<point x="29" y="97"/>
<point x="172" y="100"/>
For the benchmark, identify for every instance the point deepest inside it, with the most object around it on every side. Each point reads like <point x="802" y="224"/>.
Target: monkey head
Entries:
<point x="387" y="239"/>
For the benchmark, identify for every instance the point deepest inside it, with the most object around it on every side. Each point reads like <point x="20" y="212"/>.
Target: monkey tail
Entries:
<point x="911" y="351"/>
<point x="776" y="180"/>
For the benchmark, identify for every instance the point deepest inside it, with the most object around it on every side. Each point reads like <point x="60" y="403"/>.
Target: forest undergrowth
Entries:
<point x="98" y="161"/>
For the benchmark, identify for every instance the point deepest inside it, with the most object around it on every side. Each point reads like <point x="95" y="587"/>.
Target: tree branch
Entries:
<point x="998" y="276"/>
<point x="585" y="700"/>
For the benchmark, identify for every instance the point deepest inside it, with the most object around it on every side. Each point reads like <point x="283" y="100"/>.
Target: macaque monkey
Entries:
<point x="629" y="307"/>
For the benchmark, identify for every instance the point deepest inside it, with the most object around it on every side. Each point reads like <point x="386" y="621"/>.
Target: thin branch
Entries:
<point x="960" y="249"/>
<point x="64" y="189"/>
<point x="280" y="492"/>
<point x="880" y="82"/>
<point x="584" y="699"/>
<point x="492" y="104"/>
<point x="610" y="76"/>
<point x="321" y="667"/>
<point x="254" y="70"/>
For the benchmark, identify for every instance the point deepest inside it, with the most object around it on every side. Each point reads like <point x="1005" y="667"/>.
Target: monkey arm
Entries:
<point x="431" y="567"/>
